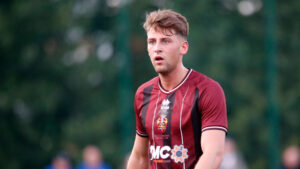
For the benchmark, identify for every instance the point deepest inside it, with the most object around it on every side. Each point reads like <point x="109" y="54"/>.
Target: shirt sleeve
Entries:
<point x="213" y="108"/>
<point x="140" y="129"/>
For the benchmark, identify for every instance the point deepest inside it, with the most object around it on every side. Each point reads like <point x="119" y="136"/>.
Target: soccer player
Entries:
<point x="181" y="119"/>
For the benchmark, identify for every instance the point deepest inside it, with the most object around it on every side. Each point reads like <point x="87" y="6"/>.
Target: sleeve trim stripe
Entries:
<point x="140" y="134"/>
<point x="214" y="127"/>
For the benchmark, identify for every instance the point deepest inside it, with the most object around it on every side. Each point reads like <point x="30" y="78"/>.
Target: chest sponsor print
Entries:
<point x="160" y="153"/>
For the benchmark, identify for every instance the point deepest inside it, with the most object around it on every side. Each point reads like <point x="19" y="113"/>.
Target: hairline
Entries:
<point x="161" y="30"/>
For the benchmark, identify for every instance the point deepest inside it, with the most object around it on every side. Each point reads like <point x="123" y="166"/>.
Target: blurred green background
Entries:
<point x="69" y="70"/>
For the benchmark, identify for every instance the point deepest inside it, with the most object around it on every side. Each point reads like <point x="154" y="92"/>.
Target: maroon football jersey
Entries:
<point x="173" y="120"/>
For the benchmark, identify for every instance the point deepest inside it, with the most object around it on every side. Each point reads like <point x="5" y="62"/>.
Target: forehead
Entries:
<point x="161" y="33"/>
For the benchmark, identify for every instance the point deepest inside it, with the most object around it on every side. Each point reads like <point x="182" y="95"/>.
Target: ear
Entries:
<point x="184" y="47"/>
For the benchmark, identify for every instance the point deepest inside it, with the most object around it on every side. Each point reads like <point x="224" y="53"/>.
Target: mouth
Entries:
<point x="158" y="58"/>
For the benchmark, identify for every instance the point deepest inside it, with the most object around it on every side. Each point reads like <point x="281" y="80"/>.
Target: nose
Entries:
<point x="157" y="48"/>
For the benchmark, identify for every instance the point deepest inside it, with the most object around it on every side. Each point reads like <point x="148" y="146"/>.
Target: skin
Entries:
<point x="166" y="52"/>
<point x="212" y="144"/>
<point x="92" y="156"/>
<point x="139" y="156"/>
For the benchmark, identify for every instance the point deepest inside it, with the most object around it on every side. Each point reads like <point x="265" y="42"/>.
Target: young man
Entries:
<point x="181" y="116"/>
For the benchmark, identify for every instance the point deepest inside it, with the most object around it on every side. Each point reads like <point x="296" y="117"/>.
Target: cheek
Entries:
<point x="175" y="56"/>
<point x="149" y="49"/>
<point x="150" y="52"/>
<point x="174" y="50"/>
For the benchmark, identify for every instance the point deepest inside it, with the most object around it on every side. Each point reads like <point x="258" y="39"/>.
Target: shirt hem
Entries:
<point x="140" y="134"/>
<point x="215" y="128"/>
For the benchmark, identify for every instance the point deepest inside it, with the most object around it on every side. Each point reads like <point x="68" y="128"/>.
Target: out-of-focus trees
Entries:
<point x="58" y="81"/>
<point x="59" y="72"/>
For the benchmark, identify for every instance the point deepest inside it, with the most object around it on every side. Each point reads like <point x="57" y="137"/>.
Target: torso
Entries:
<point x="172" y="121"/>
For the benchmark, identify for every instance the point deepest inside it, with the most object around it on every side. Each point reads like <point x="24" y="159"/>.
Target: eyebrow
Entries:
<point x="159" y="38"/>
<point x="150" y="39"/>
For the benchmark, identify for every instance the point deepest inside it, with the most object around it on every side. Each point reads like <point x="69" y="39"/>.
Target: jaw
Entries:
<point x="164" y="69"/>
<point x="160" y="68"/>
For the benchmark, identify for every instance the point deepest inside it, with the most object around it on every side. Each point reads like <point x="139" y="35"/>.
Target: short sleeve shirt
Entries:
<point x="174" y="120"/>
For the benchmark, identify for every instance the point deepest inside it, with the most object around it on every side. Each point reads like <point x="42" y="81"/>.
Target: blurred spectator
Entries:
<point x="92" y="159"/>
<point x="232" y="159"/>
<point x="60" y="161"/>
<point x="291" y="158"/>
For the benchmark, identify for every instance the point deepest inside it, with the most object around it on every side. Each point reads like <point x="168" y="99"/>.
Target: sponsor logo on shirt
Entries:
<point x="161" y="153"/>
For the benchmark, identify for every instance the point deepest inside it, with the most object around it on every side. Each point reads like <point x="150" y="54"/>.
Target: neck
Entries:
<point x="170" y="80"/>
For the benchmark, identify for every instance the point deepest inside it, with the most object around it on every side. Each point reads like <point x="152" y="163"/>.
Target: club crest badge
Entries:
<point x="162" y="120"/>
<point x="162" y="124"/>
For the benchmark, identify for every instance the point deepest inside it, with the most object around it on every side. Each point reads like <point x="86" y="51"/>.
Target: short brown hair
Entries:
<point x="167" y="20"/>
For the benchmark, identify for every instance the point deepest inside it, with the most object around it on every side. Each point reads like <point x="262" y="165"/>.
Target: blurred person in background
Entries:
<point x="232" y="159"/>
<point x="60" y="161"/>
<point x="181" y="117"/>
<point x="291" y="158"/>
<point x="92" y="159"/>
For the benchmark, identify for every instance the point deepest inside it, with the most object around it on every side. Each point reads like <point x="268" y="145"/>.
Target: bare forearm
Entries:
<point x="139" y="155"/>
<point x="209" y="161"/>
<point x="136" y="162"/>
<point x="212" y="144"/>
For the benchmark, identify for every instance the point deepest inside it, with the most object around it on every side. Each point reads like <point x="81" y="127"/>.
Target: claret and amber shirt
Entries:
<point x="174" y="120"/>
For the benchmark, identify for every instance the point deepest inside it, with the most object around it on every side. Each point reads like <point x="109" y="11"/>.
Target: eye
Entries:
<point x="165" y="41"/>
<point x="151" y="42"/>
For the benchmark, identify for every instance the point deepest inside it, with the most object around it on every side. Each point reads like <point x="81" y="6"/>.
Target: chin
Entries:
<point x="161" y="71"/>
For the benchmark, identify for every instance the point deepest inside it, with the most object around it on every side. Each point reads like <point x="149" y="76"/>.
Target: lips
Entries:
<point x="158" y="58"/>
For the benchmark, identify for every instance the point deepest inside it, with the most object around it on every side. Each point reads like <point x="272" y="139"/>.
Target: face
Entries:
<point x="165" y="51"/>
<point x="92" y="157"/>
<point x="61" y="163"/>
